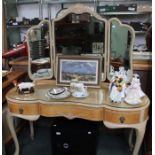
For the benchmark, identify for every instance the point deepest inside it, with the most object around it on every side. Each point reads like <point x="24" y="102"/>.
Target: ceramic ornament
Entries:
<point x="134" y="92"/>
<point x="117" y="89"/>
<point x="25" y="88"/>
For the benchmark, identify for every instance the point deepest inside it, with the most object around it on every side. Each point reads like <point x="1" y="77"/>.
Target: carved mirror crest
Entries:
<point x="40" y="51"/>
<point x="80" y="31"/>
<point x="120" y="46"/>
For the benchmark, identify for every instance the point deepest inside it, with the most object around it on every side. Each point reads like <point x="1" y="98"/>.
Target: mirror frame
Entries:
<point x="51" y="51"/>
<point x="131" y="30"/>
<point x="80" y="9"/>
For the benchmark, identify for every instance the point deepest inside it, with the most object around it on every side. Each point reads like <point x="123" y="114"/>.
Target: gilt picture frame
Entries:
<point x="86" y="69"/>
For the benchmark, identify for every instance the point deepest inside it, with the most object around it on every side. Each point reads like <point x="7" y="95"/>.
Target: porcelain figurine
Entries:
<point x="117" y="89"/>
<point x="134" y="91"/>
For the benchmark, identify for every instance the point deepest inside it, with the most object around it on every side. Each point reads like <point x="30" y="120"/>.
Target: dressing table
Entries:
<point x="97" y="106"/>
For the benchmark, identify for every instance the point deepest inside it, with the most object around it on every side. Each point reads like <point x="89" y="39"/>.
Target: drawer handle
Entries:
<point x="21" y="110"/>
<point x="122" y="119"/>
<point x="66" y="145"/>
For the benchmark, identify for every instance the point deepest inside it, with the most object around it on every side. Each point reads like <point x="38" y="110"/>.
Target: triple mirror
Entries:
<point x="79" y="31"/>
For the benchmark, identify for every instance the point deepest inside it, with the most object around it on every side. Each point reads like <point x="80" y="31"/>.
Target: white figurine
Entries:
<point x="117" y="89"/>
<point x="125" y="74"/>
<point x="134" y="91"/>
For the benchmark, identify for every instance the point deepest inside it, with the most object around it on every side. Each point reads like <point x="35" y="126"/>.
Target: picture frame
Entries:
<point x="86" y="69"/>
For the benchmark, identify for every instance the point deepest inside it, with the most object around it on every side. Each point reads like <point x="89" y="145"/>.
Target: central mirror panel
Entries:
<point x="79" y="34"/>
<point x="80" y="31"/>
<point x="120" y="45"/>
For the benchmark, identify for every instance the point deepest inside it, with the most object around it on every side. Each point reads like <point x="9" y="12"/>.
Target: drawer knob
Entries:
<point x="21" y="110"/>
<point x="122" y="119"/>
<point x="66" y="145"/>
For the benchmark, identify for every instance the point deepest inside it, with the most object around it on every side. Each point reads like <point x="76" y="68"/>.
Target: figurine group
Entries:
<point x="121" y="90"/>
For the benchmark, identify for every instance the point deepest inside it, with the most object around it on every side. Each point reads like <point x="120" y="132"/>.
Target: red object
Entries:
<point x="20" y="49"/>
<point x="14" y="82"/>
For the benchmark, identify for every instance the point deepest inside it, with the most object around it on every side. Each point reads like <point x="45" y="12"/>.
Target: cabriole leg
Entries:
<point x="140" y="131"/>
<point x="130" y="139"/>
<point x="31" y="130"/>
<point x="13" y="132"/>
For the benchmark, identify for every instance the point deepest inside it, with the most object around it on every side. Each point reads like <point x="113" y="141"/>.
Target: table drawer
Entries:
<point x="25" y="109"/>
<point x="71" y="111"/>
<point x="122" y="117"/>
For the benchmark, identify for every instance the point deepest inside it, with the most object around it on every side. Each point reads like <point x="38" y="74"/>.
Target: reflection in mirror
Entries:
<point x="79" y="34"/>
<point x="120" y="46"/>
<point x="80" y="31"/>
<point x="38" y="38"/>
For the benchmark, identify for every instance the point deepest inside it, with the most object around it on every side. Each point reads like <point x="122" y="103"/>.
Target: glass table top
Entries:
<point x="98" y="97"/>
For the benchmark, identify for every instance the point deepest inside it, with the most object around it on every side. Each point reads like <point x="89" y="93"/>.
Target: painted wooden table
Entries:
<point x="95" y="107"/>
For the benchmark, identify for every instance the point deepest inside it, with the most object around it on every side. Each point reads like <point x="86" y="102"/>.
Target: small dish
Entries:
<point x="62" y="95"/>
<point x="133" y="101"/>
<point x="57" y="90"/>
<point x="80" y="94"/>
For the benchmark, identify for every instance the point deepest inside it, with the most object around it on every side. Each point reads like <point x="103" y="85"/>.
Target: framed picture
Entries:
<point x="86" y="69"/>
